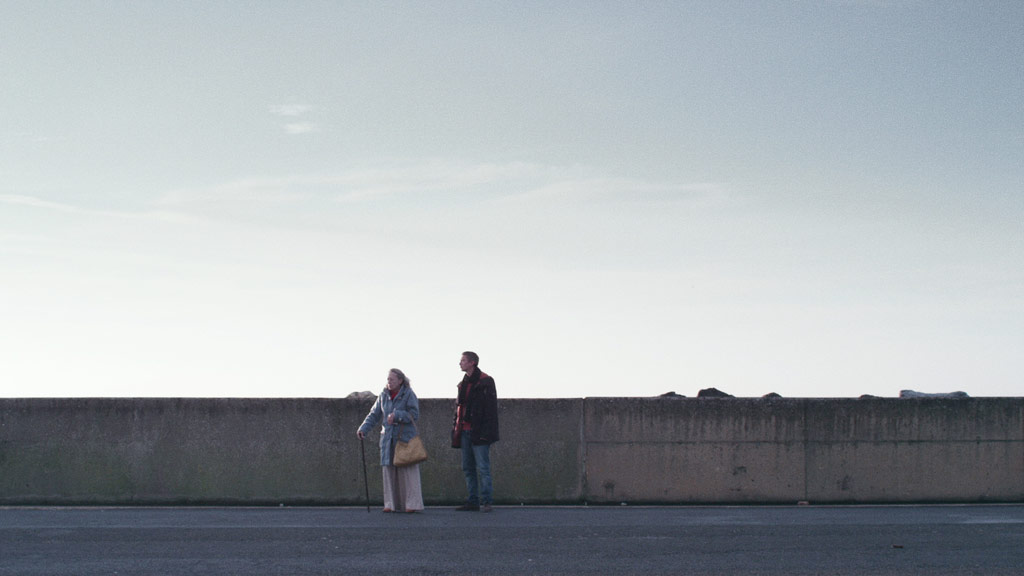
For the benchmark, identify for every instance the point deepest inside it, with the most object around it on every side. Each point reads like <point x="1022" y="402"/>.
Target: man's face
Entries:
<point x="466" y="364"/>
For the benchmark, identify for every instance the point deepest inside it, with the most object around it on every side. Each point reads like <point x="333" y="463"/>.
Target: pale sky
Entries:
<point x="263" y="199"/>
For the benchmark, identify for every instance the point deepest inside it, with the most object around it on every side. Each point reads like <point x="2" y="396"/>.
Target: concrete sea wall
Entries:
<point x="116" y="451"/>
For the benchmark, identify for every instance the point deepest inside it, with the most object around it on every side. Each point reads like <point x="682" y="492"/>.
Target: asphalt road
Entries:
<point x="903" y="540"/>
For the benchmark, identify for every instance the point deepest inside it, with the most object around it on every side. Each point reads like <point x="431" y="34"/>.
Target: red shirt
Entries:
<point x="462" y="409"/>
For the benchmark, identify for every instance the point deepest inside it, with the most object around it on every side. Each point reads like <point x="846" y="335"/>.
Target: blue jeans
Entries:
<point x="476" y="460"/>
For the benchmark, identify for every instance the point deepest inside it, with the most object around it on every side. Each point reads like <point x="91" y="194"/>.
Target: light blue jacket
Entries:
<point x="407" y="411"/>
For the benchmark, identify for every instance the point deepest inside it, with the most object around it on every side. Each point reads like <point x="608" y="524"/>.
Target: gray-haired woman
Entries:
<point x="399" y="409"/>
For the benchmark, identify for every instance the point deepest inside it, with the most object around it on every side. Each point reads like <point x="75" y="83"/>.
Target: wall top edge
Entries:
<point x="510" y="398"/>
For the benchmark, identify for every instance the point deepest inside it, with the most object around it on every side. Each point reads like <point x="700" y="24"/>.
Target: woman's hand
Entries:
<point x="391" y="419"/>
<point x="360" y="434"/>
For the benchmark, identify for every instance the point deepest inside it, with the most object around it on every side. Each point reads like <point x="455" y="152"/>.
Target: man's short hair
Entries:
<point x="472" y="357"/>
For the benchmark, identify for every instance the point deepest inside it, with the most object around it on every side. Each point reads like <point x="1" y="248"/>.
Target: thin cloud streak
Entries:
<point x="619" y="190"/>
<point x="33" y="202"/>
<point x="301" y="128"/>
<point x="295" y="111"/>
<point x="290" y="110"/>
<point x="21" y="200"/>
<point x="514" y="182"/>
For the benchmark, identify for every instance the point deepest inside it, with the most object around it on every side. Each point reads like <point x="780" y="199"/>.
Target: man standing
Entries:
<point x="475" y="429"/>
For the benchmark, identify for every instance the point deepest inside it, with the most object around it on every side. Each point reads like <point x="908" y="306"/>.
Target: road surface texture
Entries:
<point x="758" y="540"/>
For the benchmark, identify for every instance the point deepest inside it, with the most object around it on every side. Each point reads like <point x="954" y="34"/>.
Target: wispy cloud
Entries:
<point x="291" y="110"/>
<point x="619" y="190"/>
<point x="439" y="178"/>
<point x="300" y="128"/>
<point x="33" y="202"/>
<point x="237" y="194"/>
<point x="445" y="190"/>
<point x="21" y="200"/>
<point x="295" y="111"/>
<point x="29" y="137"/>
<point x="514" y="182"/>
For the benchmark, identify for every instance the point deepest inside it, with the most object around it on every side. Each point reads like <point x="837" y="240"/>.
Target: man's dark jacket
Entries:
<point x="481" y="406"/>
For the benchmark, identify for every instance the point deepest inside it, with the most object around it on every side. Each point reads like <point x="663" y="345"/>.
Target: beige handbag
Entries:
<point x="411" y="452"/>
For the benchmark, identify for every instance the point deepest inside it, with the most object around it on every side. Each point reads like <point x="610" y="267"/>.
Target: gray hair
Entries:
<point x="402" y="376"/>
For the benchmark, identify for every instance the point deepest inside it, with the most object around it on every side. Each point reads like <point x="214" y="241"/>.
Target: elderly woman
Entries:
<point x="398" y="408"/>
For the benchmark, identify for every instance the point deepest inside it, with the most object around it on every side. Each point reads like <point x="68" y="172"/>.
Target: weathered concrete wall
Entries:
<point x="599" y="450"/>
<point x="175" y="451"/>
<point x="695" y="450"/>
<point x="953" y="450"/>
<point x="819" y="450"/>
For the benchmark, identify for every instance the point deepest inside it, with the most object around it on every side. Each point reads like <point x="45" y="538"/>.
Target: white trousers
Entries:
<point x="402" y="490"/>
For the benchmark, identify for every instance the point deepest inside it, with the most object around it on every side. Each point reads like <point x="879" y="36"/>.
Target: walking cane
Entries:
<point x="366" y="483"/>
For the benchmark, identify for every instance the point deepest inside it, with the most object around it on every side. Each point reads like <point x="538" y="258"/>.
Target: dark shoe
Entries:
<point x="468" y="508"/>
<point x="486" y="508"/>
